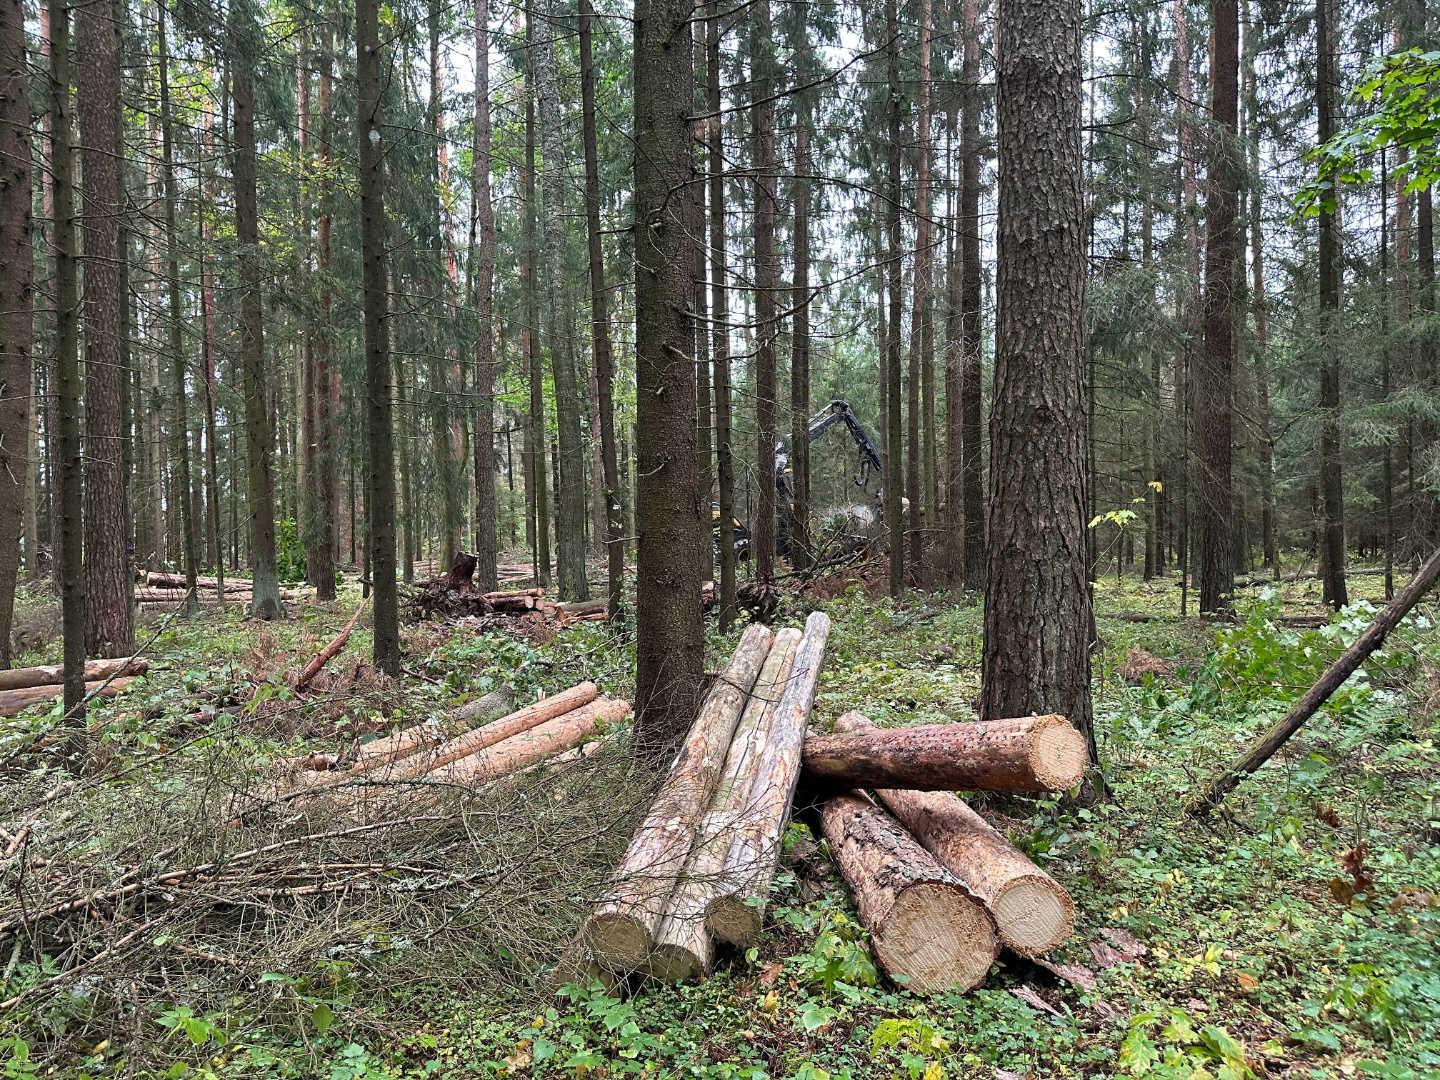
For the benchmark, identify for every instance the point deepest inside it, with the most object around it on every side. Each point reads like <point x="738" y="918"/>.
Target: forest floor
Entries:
<point x="1264" y="953"/>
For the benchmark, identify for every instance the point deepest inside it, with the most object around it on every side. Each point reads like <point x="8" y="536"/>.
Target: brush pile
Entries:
<point x="939" y="889"/>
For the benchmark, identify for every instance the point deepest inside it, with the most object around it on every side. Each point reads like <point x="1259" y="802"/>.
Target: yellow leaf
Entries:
<point x="1247" y="982"/>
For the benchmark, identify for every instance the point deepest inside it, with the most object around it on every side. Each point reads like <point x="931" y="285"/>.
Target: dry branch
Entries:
<point x="621" y="930"/>
<point x="1032" y="912"/>
<point x="1028" y="753"/>
<point x="328" y="653"/>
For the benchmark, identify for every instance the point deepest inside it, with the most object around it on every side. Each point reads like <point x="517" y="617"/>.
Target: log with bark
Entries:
<point x="684" y="948"/>
<point x="13" y="702"/>
<point x="1333" y="677"/>
<point x="621" y="930"/>
<point x="737" y="913"/>
<point x="927" y="931"/>
<point x="172" y="596"/>
<point x="177" y="581"/>
<point x="1028" y="753"/>
<point x="1032" y="912"/>
<point x="325" y="655"/>
<point x="516" y="602"/>
<point x="54" y="674"/>
<point x="576" y="967"/>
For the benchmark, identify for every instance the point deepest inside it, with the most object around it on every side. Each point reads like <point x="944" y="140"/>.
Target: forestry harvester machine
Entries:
<point x="850" y="533"/>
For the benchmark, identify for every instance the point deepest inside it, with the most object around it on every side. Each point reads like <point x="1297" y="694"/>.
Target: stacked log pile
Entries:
<point x="160" y="589"/>
<point x="937" y="887"/>
<point x="22" y="687"/>
<point x="454" y="595"/>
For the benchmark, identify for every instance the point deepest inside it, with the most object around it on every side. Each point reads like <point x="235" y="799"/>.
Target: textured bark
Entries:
<point x="800" y="345"/>
<point x="621" y="932"/>
<point x="1028" y="753"/>
<point x="683" y="945"/>
<point x="486" y="540"/>
<point x="1332" y="491"/>
<point x="669" y="630"/>
<point x="919" y="300"/>
<point x="535" y="419"/>
<point x="17" y="447"/>
<point x="107" y="579"/>
<point x="1036" y="654"/>
<point x="214" y="541"/>
<point x="704" y="400"/>
<point x="69" y="559"/>
<point x="762" y="123"/>
<point x="570" y="498"/>
<point x="327" y="377"/>
<point x="600" y="328"/>
<point x="927" y="931"/>
<point x="509" y="756"/>
<point x="737" y="912"/>
<point x="720" y="320"/>
<point x="1032" y="912"/>
<point x="329" y="652"/>
<point x="54" y="674"/>
<point x="576" y="967"/>
<point x="380" y="490"/>
<point x="16" y="701"/>
<point x="894" y="478"/>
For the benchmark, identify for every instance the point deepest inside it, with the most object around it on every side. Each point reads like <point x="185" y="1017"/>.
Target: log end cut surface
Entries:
<point x="1036" y="915"/>
<point x="936" y="938"/>
<point x="673" y="963"/>
<point x="618" y="941"/>
<point x="1057" y="751"/>
<point x="731" y="919"/>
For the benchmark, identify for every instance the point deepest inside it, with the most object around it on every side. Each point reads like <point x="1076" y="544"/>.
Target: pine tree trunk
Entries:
<point x="17" y="447"/>
<point x="327" y="379"/>
<point x="800" y="543"/>
<point x="894" y="479"/>
<point x="1215" y="386"/>
<point x="535" y="422"/>
<point x="972" y="423"/>
<point x="669" y="629"/>
<point x="600" y="328"/>
<point x="380" y="491"/>
<point x="1332" y="492"/>
<point x="762" y="121"/>
<point x="486" y="542"/>
<point x="704" y="390"/>
<point x="919" y="301"/>
<point x="1036" y="654"/>
<point x="720" y="320"/>
<point x="107" y="579"/>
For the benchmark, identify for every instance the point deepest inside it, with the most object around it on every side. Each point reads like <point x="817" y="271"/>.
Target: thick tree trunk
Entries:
<point x="669" y="629"/>
<point x="600" y="327"/>
<point x="622" y="930"/>
<point x="1028" y="753"/>
<point x="762" y="121"/>
<point x="1036" y="655"/>
<point x="1332" y="491"/>
<point x="380" y="490"/>
<point x="17" y="446"/>
<point x="683" y="945"/>
<point x="720" y="320"/>
<point x="894" y="478"/>
<point x="737" y="912"/>
<point x="570" y="498"/>
<point x="1032" y="912"/>
<point x="927" y="931"/>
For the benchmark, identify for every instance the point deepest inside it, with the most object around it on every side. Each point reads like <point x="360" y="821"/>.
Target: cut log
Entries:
<point x="926" y="930"/>
<point x="517" y="602"/>
<point x="683" y="945"/>
<point x="583" y="607"/>
<point x="1028" y="753"/>
<point x="576" y="967"/>
<point x="325" y="655"/>
<point x="621" y="930"/>
<point x="17" y="701"/>
<point x="1032" y="912"/>
<point x="506" y="594"/>
<point x="509" y="756"/>
<point x="54" y="674"/>
<point x="171" y="596"/>
<point x="737" y="914"/>
<point x="177" y="581"/>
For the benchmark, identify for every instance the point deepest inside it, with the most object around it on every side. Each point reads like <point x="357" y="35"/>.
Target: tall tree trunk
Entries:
<point x="259" y="435"/>
<point x="800" y="543"/>
<point x="762" y="120"/>
<point x="570" y="499"/>
<point x="919" y="304"/>
<point x="704" y="391"/>
<point x="179" y="438"/>
<point x="1036" y="653"/>
<point x="1332" y="493"/>
<point x="107" y="579"/>
<point x="214" y="542"/>
<point x="486" y="543"/>
<point x="327" y="376"/>
<point x="720" y="320"/>
<point x="600" y="327"/>
<point x="380" y="491"/>
<point x="894" y="480"/>
<point x="971" y="292"/>
<point x="1191" y="302"/>
<point x="535" y="435"/>
<point x="669" y="644"/>
<point x="69" y="556"/>
<point x="408" y="516"/>
<point x="1214" y="400"/>
<point x="1261" y="337"/>
<point x="17" y="502"/>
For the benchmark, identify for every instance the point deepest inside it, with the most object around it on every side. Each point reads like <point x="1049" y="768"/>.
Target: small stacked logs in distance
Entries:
<point x="453" y="595"/>
<point x="22" y="687"/>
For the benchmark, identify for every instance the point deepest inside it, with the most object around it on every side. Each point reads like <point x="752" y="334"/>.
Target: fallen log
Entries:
<point x="1032" y="912"/>
<point x="509" y="756"/>
<point x="54" y="674"/>
<point x="1028" y="753"/>
<point x="505" y="594"/>
<point x="927" y="931"/>
<point x="576" y="967"/>
<point x="171" y="596"/>
<point x="737" y="914"/>
<point x="574" y="609"/>
<point x="1333" y="677"/>
<point x="683" y="945"/>
<point x="621" y="930"/>
<point x="13" y="702"/>
<point x="177" y="581"/>
<point x="325" y="655"/>
<point x="517" y="602"/>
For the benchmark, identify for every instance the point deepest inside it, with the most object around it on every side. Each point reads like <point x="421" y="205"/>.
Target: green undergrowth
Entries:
<point x="1295" y="937"/>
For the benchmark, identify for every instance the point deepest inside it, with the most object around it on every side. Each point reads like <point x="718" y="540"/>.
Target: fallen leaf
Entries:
<point x="1034" y="1000"/>
<point x="1104" y="956"/>
<point x="1196" y="1005"/>
<point x="1247" y="982"/>
<point x="1078" y="974"/>
<point x="771" y="973"/>
<point x="1124" y="942"/>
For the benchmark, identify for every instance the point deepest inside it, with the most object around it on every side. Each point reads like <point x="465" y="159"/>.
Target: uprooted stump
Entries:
<point x="453" y="594"/>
